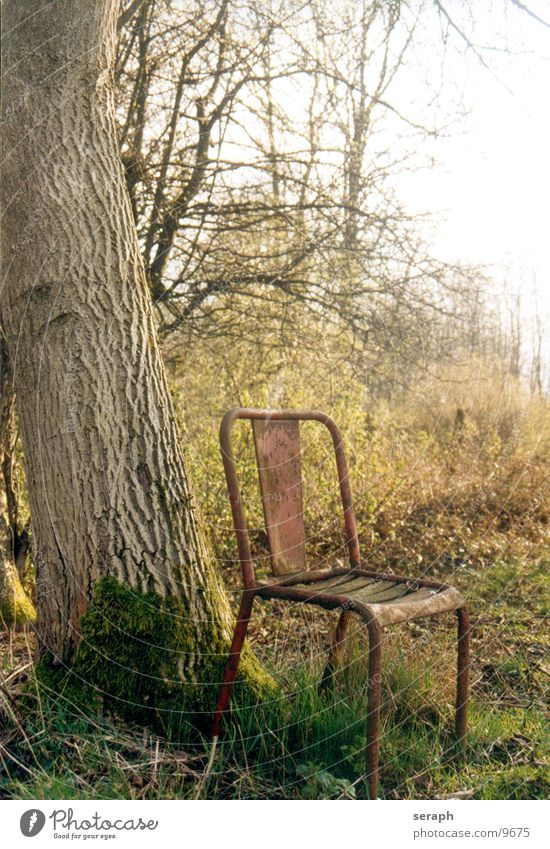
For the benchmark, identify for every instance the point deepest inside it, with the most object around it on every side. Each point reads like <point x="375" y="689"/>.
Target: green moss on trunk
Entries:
<point x="140" y="652"/>
<point x="15" y="606"/>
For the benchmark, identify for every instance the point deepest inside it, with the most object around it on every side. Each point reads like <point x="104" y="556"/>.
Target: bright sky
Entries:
<point x="494" y="179"/>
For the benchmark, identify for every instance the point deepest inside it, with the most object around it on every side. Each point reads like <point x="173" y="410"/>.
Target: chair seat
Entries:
<point x="388" y="599"/>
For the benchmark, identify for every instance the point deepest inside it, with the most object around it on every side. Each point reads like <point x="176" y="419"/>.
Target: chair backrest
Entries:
<point x="278" y="456"/>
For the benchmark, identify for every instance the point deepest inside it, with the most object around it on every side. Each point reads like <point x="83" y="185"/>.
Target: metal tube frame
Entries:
<point x="373" y="707"/>
<point x="239" y="520"/>
<point x="232" y="664"/>
<point x="251" y="589"/>
<point x="462" y="676"/>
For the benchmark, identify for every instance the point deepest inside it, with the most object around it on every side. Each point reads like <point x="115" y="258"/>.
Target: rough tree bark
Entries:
<point x="109" y="495"/>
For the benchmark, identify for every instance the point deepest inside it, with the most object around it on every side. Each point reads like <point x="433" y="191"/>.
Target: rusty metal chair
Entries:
<point x="379" y="599"/>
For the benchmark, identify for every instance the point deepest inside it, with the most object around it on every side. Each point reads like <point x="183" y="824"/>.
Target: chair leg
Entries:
<point x="232" y="665"/>
<point x="373" y="707"/>
<point x="336" y="651"/>
<point x="463" y="666"/>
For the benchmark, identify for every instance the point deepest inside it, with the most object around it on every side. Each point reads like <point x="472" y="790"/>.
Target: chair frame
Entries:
<point x="284" y="589"/>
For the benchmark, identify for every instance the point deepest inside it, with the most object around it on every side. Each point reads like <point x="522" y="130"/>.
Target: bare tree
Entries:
<point x="253" y="175"/>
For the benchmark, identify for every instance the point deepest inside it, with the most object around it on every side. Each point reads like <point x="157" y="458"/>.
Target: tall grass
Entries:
<point x="451" y="478"/>
<point x="302" y="744"/>
<point x="452" y="472"/>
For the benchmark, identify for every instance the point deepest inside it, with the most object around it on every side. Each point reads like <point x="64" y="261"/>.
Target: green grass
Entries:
<point x="303" y="744"/>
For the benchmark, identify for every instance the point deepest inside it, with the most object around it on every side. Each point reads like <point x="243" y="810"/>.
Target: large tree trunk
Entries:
<point x="109" y="494"/>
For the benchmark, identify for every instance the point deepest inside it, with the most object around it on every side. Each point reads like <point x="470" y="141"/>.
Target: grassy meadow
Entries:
<point x="451" y="480"/>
